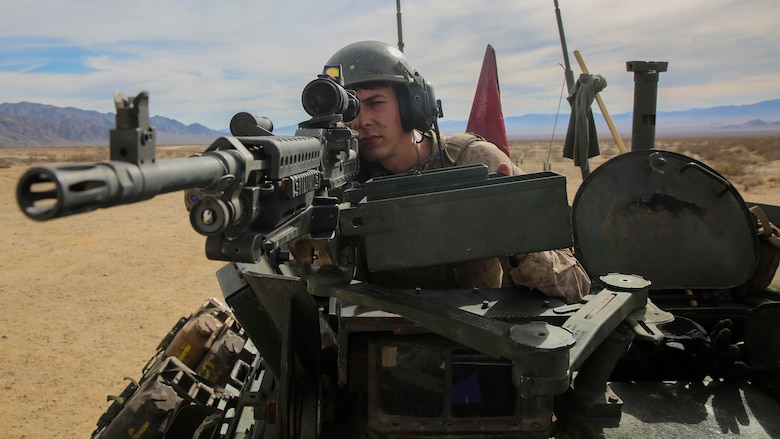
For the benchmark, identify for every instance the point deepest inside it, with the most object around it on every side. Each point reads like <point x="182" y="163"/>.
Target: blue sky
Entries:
<point x="203" y="61"/>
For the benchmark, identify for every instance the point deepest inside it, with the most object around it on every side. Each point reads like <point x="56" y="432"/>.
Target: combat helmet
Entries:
<point x="374" y="61"/>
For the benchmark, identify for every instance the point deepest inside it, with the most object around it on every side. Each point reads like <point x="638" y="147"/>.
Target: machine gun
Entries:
<point x="326" y="356"/>
<point x="248" y="194"/>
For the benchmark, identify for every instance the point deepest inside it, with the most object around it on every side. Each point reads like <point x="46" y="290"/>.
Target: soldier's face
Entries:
<point x="380" y="132"/>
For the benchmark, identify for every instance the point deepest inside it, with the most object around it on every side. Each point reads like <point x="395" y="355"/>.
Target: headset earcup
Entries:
<point x="417" y="106"/>
<point x="432" y="110"/>
<point x="405" y="108"/>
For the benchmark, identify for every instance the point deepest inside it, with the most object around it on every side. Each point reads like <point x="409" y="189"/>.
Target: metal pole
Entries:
<point x="400" y="30"/>
<point x="567" y="66"/>
<point x="645" y="101"/>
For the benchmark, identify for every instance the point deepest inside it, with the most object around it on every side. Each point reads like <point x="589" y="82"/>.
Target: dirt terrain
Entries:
<point x="87" y="298"/>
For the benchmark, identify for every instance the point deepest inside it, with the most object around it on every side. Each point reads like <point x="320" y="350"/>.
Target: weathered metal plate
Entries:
<point x="687" y="410"/>
<point x="667" y="217"/>
<point x="441" y="216"/>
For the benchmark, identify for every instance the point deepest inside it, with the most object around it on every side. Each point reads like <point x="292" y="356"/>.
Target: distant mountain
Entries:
<point x="759" y="118"/>
<point x="30" y="124"/>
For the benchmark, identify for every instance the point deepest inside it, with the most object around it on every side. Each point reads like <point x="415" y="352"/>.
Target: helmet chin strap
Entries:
<point x="416" y="144"/>
<point x="438" y="140"/>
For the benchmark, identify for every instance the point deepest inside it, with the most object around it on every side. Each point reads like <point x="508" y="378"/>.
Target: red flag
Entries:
<point x="486" y="118"/>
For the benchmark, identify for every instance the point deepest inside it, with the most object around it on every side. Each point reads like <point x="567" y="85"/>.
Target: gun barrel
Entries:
<point x="48" y="192"/>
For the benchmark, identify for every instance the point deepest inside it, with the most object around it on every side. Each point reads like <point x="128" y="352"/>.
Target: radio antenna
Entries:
<point x="400" y="29"/>
<point x="567" y="67"/>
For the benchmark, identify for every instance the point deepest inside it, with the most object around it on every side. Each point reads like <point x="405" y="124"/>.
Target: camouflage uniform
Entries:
<point x="556" y="273"/>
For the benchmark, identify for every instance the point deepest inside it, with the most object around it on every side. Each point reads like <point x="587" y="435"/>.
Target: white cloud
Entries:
<point x="204" y="61"/>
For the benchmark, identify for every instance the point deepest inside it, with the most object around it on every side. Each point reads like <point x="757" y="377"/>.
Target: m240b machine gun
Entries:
<point x="241" y="189"/>
<point x="308" y="348"/>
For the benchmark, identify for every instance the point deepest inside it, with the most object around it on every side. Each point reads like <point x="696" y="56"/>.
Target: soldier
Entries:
<point x="397" y="111"/>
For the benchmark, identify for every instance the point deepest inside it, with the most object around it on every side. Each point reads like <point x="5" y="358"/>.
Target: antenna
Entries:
<point x="400" y="30"/>
<point x="567" y="66"/>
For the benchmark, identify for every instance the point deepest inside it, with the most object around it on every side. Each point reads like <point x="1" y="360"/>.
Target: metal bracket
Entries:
<point x="133" y="140"/>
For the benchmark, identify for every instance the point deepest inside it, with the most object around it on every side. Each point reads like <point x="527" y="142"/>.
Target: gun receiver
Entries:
<point x="249" y="194"/>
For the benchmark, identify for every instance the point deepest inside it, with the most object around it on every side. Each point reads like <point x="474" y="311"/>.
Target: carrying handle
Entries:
<point x="709" y="173"/>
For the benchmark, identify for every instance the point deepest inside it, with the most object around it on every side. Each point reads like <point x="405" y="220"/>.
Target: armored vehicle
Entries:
<point x="679" y="323"/>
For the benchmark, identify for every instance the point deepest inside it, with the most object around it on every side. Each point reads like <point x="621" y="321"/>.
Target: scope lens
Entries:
<point x="323" y="97"/>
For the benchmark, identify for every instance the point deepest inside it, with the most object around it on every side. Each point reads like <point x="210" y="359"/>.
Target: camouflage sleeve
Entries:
<point x="556" y="273"/>
<point x="487" y="153"/>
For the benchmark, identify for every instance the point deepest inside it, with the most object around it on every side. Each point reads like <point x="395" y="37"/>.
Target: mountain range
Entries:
<point x="762" y="118"/>
<point x="32" y="124"/>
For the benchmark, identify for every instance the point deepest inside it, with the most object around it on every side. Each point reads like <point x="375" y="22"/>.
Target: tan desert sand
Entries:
<point x="87" y="298"/>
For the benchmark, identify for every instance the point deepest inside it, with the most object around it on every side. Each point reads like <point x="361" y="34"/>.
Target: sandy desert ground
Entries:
<point x="87" y="298"/>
